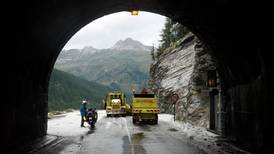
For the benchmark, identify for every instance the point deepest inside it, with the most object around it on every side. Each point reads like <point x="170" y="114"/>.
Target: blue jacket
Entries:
<point x="83" y="110"/>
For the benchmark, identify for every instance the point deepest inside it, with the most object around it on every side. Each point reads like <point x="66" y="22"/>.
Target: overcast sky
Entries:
<point x="106" y="31"/>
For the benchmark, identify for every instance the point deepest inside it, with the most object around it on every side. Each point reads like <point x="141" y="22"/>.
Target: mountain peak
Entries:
<point x="129" y="40"/>
<point x="130" y="44"/>
<point x="88" y="49"/>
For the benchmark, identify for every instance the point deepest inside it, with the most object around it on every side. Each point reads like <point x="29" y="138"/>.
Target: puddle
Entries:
<point x="172" y="129"/>
<point x="136" y="138"/>
<point x="135" y="146"/>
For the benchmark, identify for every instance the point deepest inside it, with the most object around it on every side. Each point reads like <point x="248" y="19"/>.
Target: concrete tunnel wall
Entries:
<point x="40" y="29"/>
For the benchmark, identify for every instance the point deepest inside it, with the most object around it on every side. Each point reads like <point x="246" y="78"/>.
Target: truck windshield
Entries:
<point x="144" y="95"/>
<point x="115" y="96"/>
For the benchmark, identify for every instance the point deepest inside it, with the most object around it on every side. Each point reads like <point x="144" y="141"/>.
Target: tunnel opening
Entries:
<point x="69" y="60"/>
<point x="98" y="73"/>
<point x="199" y="57"/>
<point x="246" y="70"/>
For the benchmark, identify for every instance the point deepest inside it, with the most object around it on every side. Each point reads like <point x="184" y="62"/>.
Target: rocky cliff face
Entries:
<point x="181" y="70"/>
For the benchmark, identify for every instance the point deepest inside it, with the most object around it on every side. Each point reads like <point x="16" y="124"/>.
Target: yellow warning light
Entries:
<point x="134" y="12"/>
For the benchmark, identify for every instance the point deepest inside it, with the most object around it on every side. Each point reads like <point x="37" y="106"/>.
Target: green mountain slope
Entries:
<point x="122" y="67"/>
<point x="67" y="91"/>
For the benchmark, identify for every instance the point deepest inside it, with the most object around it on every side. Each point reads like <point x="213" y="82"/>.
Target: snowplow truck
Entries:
<point x="145" y="108"/>
<point x="115" y="104"/>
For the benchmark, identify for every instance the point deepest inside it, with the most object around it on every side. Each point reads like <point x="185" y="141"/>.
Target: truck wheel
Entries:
<point x="108" y="115"/>
<point x="134" y="121"/>
<point x="156" y="120"/>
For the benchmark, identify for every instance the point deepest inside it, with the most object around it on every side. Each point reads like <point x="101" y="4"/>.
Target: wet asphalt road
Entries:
<point x="118" y="135"/>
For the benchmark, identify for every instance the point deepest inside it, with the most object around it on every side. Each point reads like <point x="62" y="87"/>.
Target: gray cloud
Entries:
<point x="107" y="30"/>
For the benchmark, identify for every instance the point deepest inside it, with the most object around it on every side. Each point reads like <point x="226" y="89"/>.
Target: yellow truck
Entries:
<point x="145" y="108"/>
<point x="115" y="104"/>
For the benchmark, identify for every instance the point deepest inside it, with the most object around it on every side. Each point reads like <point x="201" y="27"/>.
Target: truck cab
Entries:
<point x="115" y="104"/>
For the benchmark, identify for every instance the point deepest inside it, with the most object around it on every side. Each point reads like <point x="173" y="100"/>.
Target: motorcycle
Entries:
<point x="92" y="117"/>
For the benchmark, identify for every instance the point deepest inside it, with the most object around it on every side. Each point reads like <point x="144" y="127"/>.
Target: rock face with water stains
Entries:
<point x="181" y="69"/>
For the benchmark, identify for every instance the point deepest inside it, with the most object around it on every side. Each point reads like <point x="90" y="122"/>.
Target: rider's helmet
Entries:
<point x="84" y="102"/>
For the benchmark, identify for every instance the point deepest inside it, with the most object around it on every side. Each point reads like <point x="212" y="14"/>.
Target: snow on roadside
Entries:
<point x="69" y="124"/>
<point x="197" y="135"/>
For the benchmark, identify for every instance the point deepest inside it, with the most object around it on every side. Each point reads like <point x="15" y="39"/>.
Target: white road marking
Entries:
<point x="128" y="134"/>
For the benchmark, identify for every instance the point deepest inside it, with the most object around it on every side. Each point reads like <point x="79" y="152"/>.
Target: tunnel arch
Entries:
<point x="140" y="25"/>
<point x="222" y="25"/>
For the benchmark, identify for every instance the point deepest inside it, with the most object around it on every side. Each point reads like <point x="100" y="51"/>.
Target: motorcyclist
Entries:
<point x="93" y="114"/>
<point x="83" y="111"/>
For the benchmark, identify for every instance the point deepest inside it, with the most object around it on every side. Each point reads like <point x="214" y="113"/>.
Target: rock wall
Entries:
<point x="181" y="69"/>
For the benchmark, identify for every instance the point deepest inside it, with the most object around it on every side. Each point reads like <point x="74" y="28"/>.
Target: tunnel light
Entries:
<point x="211" y="78"/>
<point x="134" y="12"/>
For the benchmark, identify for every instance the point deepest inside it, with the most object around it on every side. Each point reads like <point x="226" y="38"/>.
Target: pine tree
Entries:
<point x="166" y="35"/>
<point x="152" y="53"/>
<point x="171" y="33"/>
